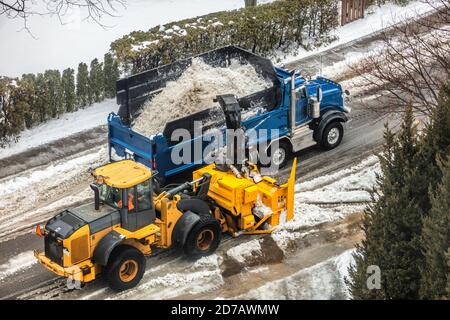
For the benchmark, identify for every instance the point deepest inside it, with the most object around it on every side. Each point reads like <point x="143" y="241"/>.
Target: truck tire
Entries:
<point x="126" y="267"/>
<point x="204" y="237"/>
<point x="279" y="156"/>
<point x="332" y="135"/>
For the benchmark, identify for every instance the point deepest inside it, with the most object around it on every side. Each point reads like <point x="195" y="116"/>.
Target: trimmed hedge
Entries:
<point x="282" y="25"/>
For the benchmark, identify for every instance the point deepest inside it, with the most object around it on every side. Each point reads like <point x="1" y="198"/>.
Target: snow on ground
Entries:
<point x="67" y="124"/>
<point x="33" y="195"/>
<point x="341" y="174"/>
<point x="346" y="189"/>
<point x="68" y="169"/>
<point x="18" y="263"/>
<point x="244" y="251"/>
<point x="183" y="278"/>
<point x="77" y="40"/>
<point x="353" y="188"/>
<point x="323" y="281"/>
<point x="376" y="19"/>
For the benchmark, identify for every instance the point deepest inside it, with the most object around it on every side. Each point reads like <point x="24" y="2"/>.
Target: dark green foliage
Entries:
<point x="281" y="25"/>
<point x="14" y="105"/>
<point x="407" y="229"/>
<point x="83" y="88"/>
<point x="436" y="240"/>
<point x="448" y="274"/>
<point x="42" y="98"/>
<point x="436" y="231"/>
<point x="96" y="81"/>
<point x="55" y="92"/>
<point x="31" y="116"/>
<point x="393" y="224"/>
<point x="110" y="74"/>
<point x="68" y="84"/>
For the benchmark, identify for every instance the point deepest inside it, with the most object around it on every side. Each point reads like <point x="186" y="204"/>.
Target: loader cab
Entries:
<point x="126" y="186"/>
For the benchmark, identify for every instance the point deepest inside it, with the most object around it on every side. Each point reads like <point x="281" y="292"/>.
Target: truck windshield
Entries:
<point x="111" y="196"/>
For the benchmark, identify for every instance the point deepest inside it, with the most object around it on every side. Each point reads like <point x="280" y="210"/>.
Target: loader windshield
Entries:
<point x="110" y="196"/>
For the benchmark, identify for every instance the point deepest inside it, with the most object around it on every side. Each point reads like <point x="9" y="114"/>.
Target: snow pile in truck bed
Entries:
<point x="195" y="90"/>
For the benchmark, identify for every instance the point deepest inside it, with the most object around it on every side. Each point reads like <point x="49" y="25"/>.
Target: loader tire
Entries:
<point x="125" y="268"/>
<point x="204" y="237"/>
<point x="332" y="135"/>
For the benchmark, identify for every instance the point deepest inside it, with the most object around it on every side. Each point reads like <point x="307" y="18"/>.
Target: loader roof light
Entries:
<point x="100" y="180"/>
<point x="123" y="174"/>
<point x="39" y="231"/>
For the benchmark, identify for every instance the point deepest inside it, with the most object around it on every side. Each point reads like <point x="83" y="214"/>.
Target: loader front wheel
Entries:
<point x="125" y="268"/>
<point x="204" y="237"/>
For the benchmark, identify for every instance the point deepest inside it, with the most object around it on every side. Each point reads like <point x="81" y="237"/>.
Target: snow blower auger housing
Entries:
<point x="131" y="217"/>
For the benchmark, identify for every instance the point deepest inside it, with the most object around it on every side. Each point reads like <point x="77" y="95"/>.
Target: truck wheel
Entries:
<point x="332" y="135"/>
<point x="125" y="268"/>
<point x="204" y="237"/>
<point x="279" y="156"/>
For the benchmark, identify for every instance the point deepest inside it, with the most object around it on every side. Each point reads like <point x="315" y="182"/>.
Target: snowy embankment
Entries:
<point x="34" y="195"/>
<point x="66" y="125"/>
<point x="377" y="18"/>
<point x="323" y="281"/>
<point x="19" y="263"/>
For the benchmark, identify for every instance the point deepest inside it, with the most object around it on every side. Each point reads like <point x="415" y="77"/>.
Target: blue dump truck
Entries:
<point x="296" y="113"/>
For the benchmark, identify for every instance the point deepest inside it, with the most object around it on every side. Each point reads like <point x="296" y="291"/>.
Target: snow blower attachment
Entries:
<point x="129" y="218"/>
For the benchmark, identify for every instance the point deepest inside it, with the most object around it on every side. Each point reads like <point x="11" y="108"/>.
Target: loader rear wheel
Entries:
<point x="204" y="237"/>
<point x="125" y="268"/>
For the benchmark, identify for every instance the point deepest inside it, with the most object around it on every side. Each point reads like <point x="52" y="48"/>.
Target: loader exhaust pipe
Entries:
<point x="96" y="196"/>
<point x="292" y="105"/>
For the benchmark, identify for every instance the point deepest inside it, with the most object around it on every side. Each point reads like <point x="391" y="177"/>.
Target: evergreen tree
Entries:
<point x="111" y="75"/>
<point x="83" y="90"/>
<point x="392" y="225"/>
<point x="56" y="94"/>
<point x="68" y="84"/>
<point x="42" y="99"/>
<point x="28" y="81"/>
<point x="448" y="274"/>
<point x="96" y="81"/>
<point x="436" y="240"/>
<point x="435" y="148"/>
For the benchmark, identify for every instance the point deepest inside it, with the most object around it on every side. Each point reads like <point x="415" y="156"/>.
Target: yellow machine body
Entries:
<point x="234" y="204"/>
<point x="257" y="206"/>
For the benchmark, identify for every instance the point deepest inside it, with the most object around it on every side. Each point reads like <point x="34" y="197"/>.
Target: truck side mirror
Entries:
<point x="319" y="94"/>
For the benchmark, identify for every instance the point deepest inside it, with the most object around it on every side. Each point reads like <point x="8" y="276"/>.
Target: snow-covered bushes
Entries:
<point x="280" y="25"/>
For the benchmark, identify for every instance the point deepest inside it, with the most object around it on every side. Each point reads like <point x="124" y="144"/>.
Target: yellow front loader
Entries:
<point x="131" y="217"/>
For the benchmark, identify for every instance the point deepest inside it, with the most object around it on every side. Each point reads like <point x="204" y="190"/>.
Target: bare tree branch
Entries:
<point x="412" y="65"/>
<point x="95" y="9"/>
